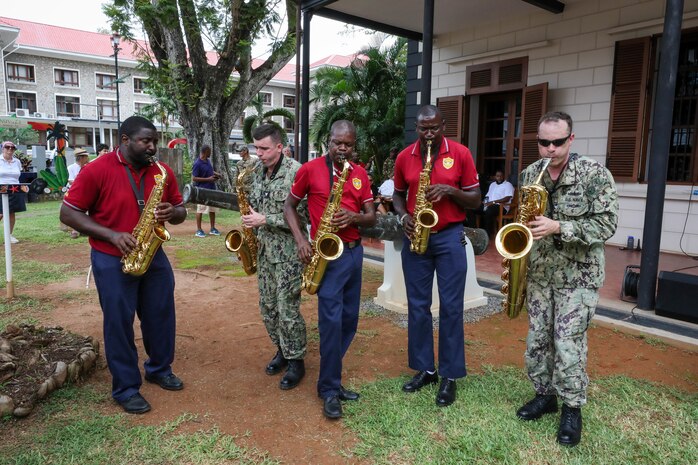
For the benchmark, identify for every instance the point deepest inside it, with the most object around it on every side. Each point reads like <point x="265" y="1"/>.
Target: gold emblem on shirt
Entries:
<point x="448" y="163"/>
<point x="356" y="182"/>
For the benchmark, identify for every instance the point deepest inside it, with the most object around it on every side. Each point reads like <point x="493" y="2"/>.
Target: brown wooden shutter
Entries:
<point x="452" y="111"/>
<point x="534" y="104"/>
<point x="496" y="76"/>
<point x="628" y="107"/>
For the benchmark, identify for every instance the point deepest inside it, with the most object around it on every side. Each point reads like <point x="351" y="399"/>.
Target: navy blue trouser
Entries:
<point x="339" y="297"/>
<point x="446" y="255"/>
<point x="122" y="296"/>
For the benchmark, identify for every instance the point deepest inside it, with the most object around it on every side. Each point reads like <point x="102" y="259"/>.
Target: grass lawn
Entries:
<point x="626" y="422"/>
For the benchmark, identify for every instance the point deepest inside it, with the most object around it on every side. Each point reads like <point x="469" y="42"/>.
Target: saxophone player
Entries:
<point x="279" y="269"/>
<point x="339" y="291"/>
<point x="454" y="188"/>
<point x="104" y="203"/>
<point x="565" y="272"/>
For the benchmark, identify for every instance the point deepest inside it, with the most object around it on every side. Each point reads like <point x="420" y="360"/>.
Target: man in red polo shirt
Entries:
<point x="104" y="203"/>
<point x="454" y="188"/>
<point x="340" y="290"/>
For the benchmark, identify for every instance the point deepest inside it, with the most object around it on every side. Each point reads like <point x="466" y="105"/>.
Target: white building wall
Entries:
<point x="573" y="52"/>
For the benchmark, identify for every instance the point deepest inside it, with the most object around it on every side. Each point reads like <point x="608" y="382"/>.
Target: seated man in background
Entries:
<point x="385" y="191"/>
<point x="500" y="193"/>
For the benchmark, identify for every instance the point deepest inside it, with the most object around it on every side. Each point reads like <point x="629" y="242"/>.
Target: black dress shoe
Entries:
<point x="276" y="364"/>
<point x="345" y="394"/>
<point x="537" y="407"/>
<point x="570" y="432"/>
<point x="332" y="407"/>
<point x="170" y="382"/>
<point x="135" y="404"/>
<point x="418" y="381"/>
<point x="294" y="374"/>
<point x="447" y="392"/>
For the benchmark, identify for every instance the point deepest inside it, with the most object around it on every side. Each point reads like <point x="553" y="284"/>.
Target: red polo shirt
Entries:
<point x="453" y="166"/>
<point x="313" y="180"/>
<point x="104" y="191"/>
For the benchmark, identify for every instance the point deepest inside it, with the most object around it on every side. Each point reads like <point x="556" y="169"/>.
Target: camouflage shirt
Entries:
<point x="267" y="196"/>
<point x="585" y="202"/>
<point x="388" y="168"/>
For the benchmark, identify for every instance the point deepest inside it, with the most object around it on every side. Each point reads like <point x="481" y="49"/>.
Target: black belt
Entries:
<point x="352" y="244"/>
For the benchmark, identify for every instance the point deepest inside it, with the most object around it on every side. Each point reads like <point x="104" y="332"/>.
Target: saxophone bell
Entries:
<point x="327" y="246"/>
<point x="241" y="240"/>
<point x="149" y="233"/>
<point x="514" y="242"/>
<point x="425" y="217"/>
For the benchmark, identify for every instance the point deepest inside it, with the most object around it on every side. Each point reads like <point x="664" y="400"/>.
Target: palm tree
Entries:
<point x="371" y="93"/>
<point x="264" y="117"/>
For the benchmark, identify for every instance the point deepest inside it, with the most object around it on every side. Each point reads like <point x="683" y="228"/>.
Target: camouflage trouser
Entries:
<point x="556" y="346"/>
<point x="279" y="303"/>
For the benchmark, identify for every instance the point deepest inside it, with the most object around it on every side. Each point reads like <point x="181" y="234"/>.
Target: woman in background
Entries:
<point x="10" y="170"/>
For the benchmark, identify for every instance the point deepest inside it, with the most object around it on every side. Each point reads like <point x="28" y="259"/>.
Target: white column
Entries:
<point x="8" y="246"/>
<point x="393" y="296"/>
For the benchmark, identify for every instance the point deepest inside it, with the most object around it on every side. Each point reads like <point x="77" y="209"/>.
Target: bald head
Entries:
<point x="342" y="125"/>
<point x="429" y="111"/>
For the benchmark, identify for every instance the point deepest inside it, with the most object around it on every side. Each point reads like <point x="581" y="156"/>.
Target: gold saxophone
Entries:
<point x="327" y="246"/>
<point x="514" y="242"/>
<point x="149" y="233"/>
<point x="424" y="216"/>
<point x="242" y="240"/>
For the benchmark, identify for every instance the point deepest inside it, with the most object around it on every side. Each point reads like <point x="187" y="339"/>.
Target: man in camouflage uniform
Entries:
<point x="389" y="164"/>
<point x="565" y="272"/>
<point x="279" y="269"/>
<point x="247" y="163"/>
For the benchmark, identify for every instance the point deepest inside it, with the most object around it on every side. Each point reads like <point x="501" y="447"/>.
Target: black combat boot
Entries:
<point x="294" y="374"/>
<point x="537" y="407"/>
<point x="276" y="364"/>
<point x="570" y="432"/>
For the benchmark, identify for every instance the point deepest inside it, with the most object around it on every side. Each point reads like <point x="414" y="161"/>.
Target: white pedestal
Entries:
<point x="392" y="294"/>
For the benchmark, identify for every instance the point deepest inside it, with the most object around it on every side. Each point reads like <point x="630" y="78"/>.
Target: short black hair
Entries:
<point x="101" y="147"/>
<point x="556" y="116"/>
<point x="267" y="130"/>
<point x="133" y="124"/>
<point x="205" y="148"/>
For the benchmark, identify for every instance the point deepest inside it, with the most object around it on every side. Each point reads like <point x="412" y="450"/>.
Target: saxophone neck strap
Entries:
<point x="330" y="169"/>
<point x="138" y="192"/>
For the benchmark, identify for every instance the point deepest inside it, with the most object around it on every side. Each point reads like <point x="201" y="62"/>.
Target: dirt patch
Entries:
<point x="34" y="361"/>
<point x="222" y="349"/>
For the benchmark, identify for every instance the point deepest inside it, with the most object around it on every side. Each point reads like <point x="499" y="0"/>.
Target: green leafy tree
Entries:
<point x="264" y="117"/>
<point x="208" y="100"/>
<point x="371" y="93"/>
<point x="26" y="136"/>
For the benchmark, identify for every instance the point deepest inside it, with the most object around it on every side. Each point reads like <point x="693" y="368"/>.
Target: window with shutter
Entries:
<point x="496" y="76"/>
<point x="534" y="105"/>
<point x="452" y="110"/>
<point x="628" y="108"/>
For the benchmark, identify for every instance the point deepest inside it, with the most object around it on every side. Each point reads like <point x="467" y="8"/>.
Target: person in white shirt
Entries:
<point x="81" y="159"/>
<point x="500" y="192"/>
<point x="10" y="171"/>
<point x="385" y="191"/>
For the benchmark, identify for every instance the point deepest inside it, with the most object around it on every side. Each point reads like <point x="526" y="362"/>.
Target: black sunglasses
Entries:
<point x="555" y="142"/>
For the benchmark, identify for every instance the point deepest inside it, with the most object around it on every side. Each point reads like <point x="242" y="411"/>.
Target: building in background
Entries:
<point x="51" y="73"/>
<point x="497" y="65"/>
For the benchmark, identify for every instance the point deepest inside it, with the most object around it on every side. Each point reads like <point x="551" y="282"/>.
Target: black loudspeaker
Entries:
<point x="677" y="296"/>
